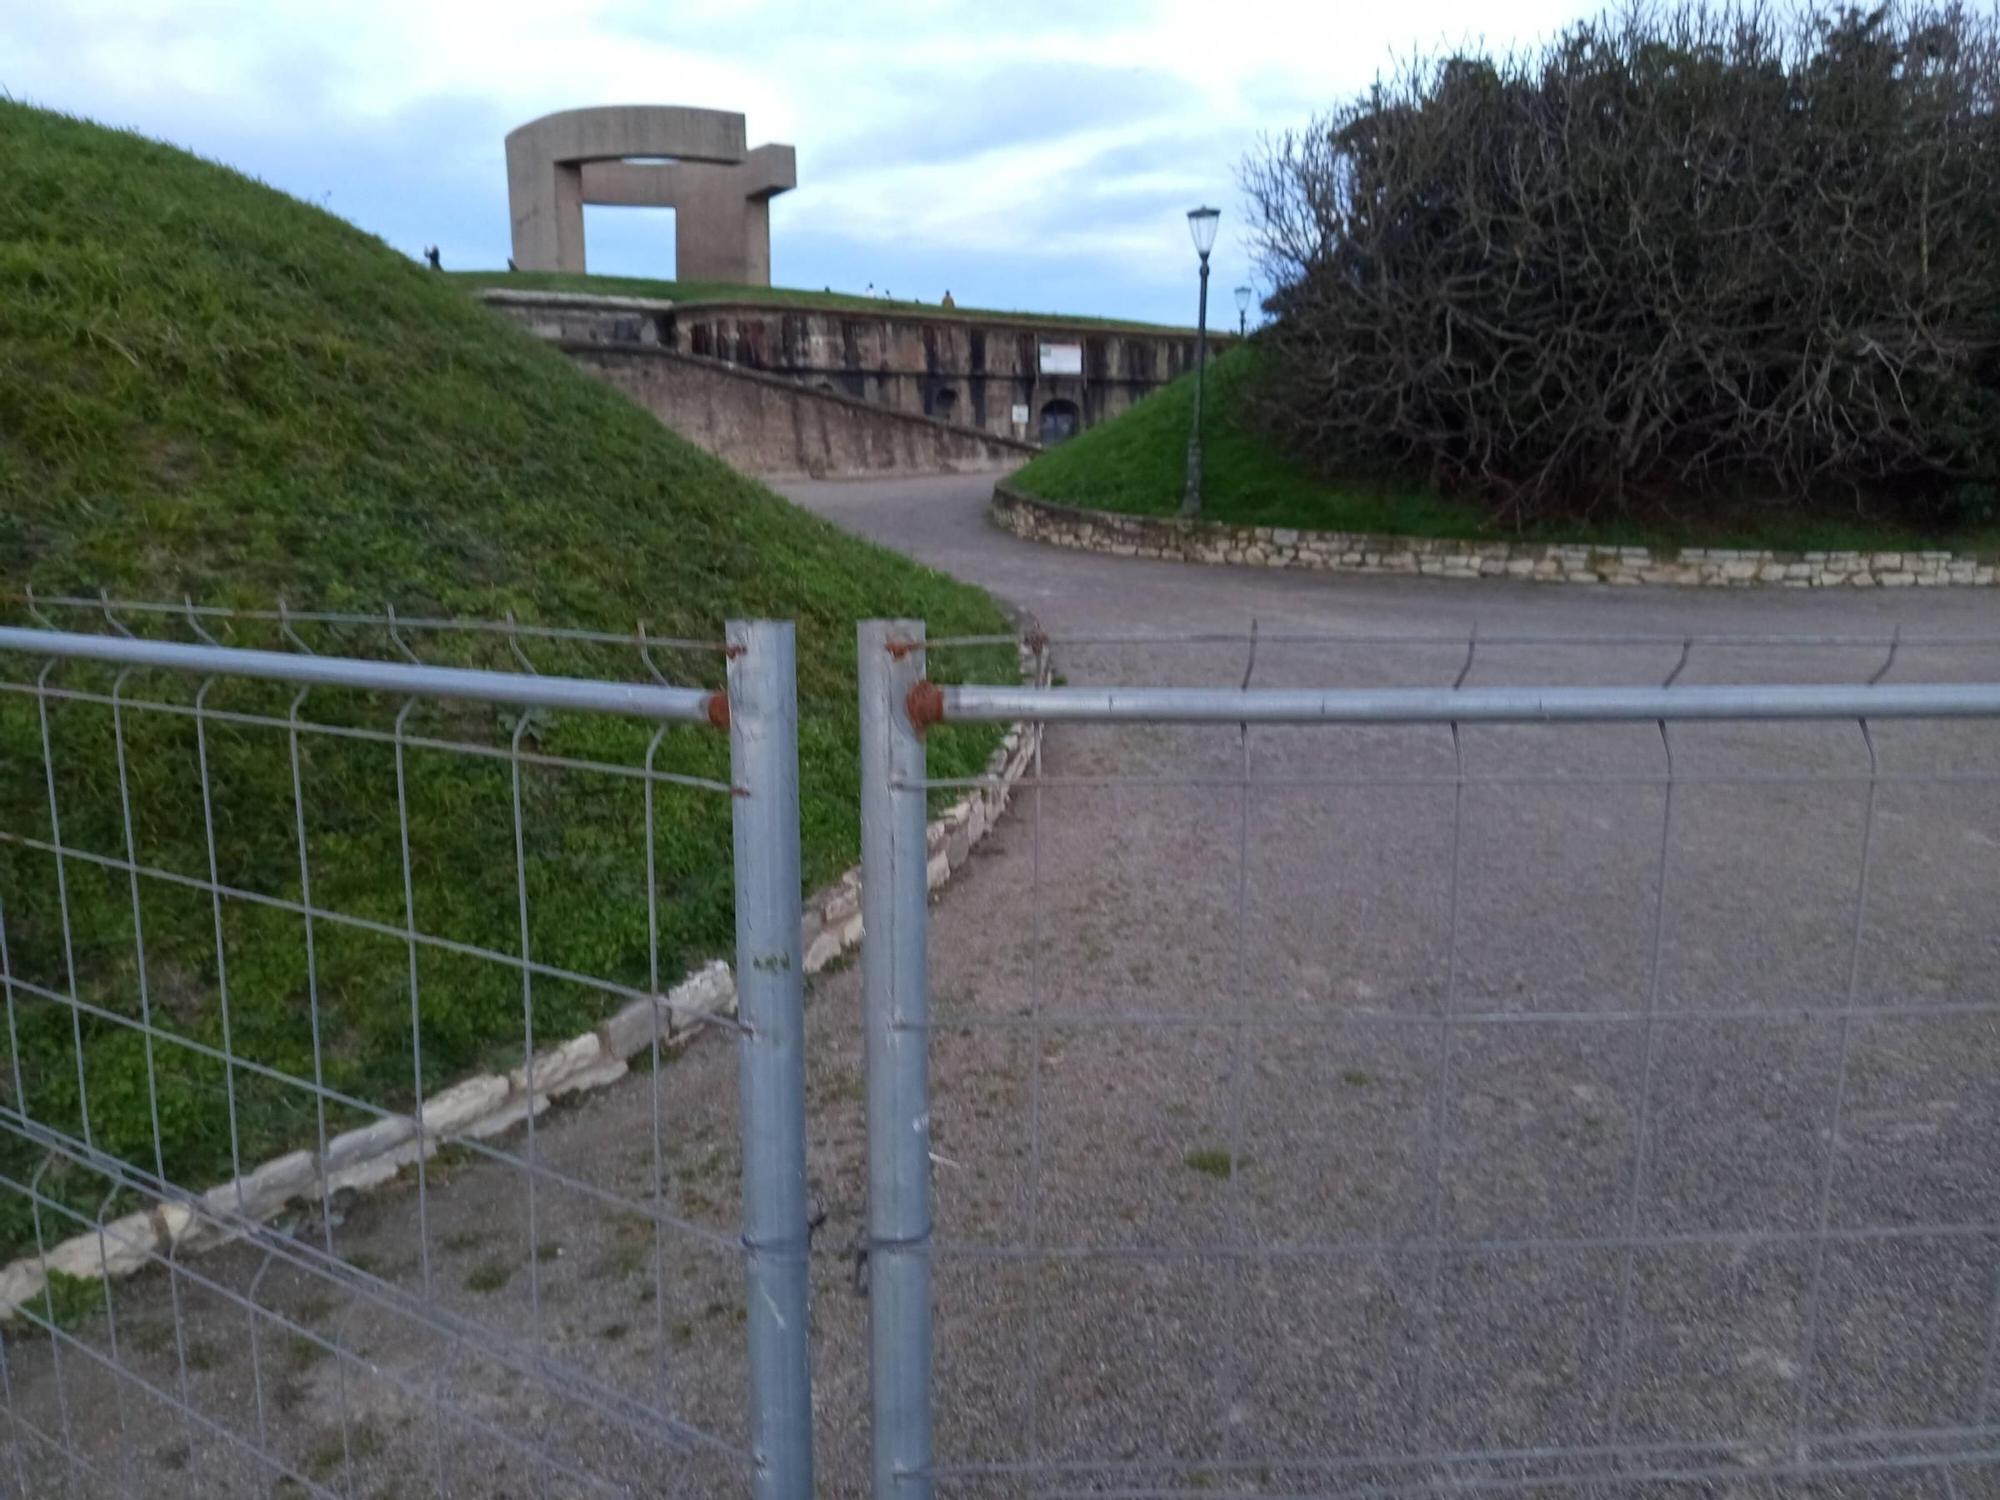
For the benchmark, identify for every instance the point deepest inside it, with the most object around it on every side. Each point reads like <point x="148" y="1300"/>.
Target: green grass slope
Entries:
<point x="210" y="389"/>
<point x="1137" y="464"/>
<point x="782" y="296"/>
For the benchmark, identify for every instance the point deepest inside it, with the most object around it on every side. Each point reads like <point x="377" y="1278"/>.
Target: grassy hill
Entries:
<point x="783" y="296"/>
<point x="1137" y="464"/>
<point x="210" y="389"/>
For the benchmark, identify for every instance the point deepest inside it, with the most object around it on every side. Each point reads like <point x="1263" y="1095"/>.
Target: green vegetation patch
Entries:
<point x="1136" y="464"/>
<point x="209" y="389"/>
<point x="1213" y="1161"/>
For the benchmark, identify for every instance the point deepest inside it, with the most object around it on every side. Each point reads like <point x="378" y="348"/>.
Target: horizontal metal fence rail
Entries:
<point x="410" y="680"/>
<point x="1029" y="1326"/>
<point x="322" y="1350"/>
<point x="1496" y="705"/>
<point x="1895" y="639"/>
<point x="394" y="627"/>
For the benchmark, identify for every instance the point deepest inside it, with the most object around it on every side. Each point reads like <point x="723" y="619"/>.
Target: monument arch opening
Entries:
<point x="694" y="161"/>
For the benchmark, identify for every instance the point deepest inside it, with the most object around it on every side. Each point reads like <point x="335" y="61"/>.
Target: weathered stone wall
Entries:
<point x="970" y="371"/>
<point x="566" y="317"/>
<point x="1357" y="552"/>
<point x="764" y="425"/>
<point x="974" y="372"/>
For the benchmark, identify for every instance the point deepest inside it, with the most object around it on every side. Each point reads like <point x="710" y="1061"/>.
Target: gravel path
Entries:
<point x="1391" y="1089"/>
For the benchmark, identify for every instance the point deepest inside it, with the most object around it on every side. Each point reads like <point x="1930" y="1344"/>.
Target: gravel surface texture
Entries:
<point x="1269" y="1158"/>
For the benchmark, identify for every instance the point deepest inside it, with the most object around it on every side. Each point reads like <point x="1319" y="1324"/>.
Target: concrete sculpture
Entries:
<point x="693" y="161"/>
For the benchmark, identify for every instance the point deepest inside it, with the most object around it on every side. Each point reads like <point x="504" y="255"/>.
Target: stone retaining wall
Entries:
<point x="1359" y="552"/>
<point x="982" y="370"/>
<point x="765" y="425"/>
<point x="755" y="420"/>
<point x="490" y="1104"/>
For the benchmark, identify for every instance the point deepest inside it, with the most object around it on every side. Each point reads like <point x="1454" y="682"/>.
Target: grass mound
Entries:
<point x="1137" y="464"/>
<point x="210" y="389"/>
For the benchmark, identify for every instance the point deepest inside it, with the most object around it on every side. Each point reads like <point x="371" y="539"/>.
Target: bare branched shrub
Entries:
<point x="1674" y="255"/>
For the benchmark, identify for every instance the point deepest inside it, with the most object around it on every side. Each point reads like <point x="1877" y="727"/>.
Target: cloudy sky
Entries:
<point x="1023" y="155"/>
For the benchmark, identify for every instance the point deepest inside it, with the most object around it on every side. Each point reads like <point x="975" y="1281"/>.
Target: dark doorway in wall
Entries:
<point x="944" y="404"/>
<point x="1059" y="422"/>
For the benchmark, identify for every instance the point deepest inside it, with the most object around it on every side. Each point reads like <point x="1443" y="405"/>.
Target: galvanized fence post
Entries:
<point x="896" y="1007"/>
<point x="770" y="987"/>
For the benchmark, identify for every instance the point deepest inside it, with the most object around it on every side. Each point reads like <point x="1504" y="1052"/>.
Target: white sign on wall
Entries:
<point x="1062" y="359"/>
<point x="1020" y="416"/>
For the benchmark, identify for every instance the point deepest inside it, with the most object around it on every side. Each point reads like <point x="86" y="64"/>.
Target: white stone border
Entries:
<point x="490" y="1103"/>
<point x="1361" y="552"/>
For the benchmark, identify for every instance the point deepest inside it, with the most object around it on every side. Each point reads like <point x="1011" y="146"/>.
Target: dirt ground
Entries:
<point x="1270" y="1158"/>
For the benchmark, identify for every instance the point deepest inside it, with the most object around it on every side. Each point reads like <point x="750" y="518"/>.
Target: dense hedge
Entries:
<point x="1672" y="256"/>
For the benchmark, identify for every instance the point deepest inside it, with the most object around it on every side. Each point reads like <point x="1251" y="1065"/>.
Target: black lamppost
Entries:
<point x="1243" y="296"/>
<point x="1201" y="224"/>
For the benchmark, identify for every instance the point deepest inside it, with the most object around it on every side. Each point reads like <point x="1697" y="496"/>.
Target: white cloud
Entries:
<point x="1054" y="137"/>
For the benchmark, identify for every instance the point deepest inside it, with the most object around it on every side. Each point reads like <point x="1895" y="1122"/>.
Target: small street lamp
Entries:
<point x="1243" y="296"/>
<point x="1201" y="225"/>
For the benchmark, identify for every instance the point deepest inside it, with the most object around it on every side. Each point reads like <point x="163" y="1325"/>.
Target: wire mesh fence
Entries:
<point x="1532" y="1065"/>
<point x="294" y="905"/>
<point x="1360" y="1066"/>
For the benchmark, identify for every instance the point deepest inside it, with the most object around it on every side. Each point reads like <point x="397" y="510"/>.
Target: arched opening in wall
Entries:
<point x="622" y="241"/>
<point x="944" y="404"/>
<point x="1059" y="422"/>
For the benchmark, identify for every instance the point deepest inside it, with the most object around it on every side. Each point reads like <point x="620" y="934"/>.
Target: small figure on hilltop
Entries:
<point x="431" y="255"/>
<point x="947" y="299"/>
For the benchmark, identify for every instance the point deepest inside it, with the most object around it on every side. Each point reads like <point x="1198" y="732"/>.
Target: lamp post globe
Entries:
<point x="1243" y="296"/>
<point x="1201" y="225"/>
<point x="1201" y="228"/>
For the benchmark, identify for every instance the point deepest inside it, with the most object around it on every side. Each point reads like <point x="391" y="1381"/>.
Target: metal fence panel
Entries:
<point x="1575" y="1085"/>
<point x="293" y="934"/>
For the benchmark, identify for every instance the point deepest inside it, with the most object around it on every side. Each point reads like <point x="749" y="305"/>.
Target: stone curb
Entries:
<point x="471" y="1109"/>
<point x="487" y="1104"/>
<point x="1175" y="539"/>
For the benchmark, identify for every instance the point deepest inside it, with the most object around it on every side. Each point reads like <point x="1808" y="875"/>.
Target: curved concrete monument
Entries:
<point x="720" y="191"/>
